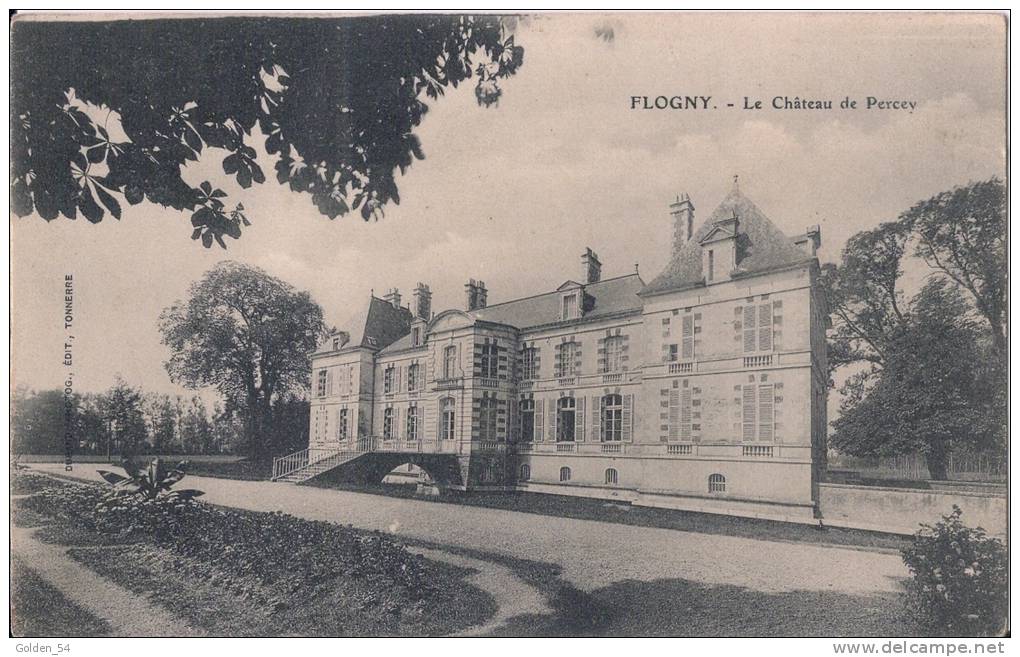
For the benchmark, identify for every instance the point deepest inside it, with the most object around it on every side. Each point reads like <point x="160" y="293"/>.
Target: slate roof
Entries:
<point x="379" y="326"/>
<point x="760" y="247"/>
<point x="611" y="296"/>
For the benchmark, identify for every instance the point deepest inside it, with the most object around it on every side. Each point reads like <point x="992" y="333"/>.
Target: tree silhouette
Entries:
<point x="337" y="101"/>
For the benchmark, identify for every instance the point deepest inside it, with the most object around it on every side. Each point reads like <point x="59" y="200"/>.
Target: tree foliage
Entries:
<point x="962" y="234"/>
<point x="248" y="335"/>
<point x="337" y="101"/>
<point x="933" y="396"/>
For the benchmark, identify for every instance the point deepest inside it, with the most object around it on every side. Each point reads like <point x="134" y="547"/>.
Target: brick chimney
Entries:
<point x="591" y="267"/>
<point x="475" y="294"/>
<point x="393" y="297"/>
<point x="422" y="302"/>
<point x="682" y="211"/>
<point x="810" y="241"/>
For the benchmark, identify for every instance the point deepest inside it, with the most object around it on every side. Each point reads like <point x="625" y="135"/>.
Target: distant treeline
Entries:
<point x="126" y="420"/>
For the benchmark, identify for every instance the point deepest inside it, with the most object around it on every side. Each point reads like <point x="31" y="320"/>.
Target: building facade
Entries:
<point x="703" y="389"/>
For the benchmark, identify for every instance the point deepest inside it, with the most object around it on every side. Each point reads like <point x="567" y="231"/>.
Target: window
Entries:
<point x="716" y="484"/>
<point x="525" y="472"/>
<point x="411" y="432"/>
<point x="320" y="389"/>
<point x="757" y="321"/>
<point x="614" y="354"/>
<point x="412" y="377"/>
<point x="566" y="412"/>
<point x="687" y="339"/>
<point x="342" y="432"/>
<point x="612" y="418"/>
<point x="487" y="419"/>
<point x="570" y="306"/>
<point x="490" y="360"/>
<point x="388" y="375"/>
<point x="564" y="474"/>
<point x="450" y="362"/>
<point x="611" y="476"/>
<point x="336" y="344"/>
<point x="567" y="365"/>
<point x="674" y="353"/>
<point x="758" y="413"/>
<point x="711" y="265"/>
<point x="529" y="363"/>
<point x="387" y="424"/>
<point x="446" y="419"/>
<point x="416" y="336"/>
<point x="527" y="420"/>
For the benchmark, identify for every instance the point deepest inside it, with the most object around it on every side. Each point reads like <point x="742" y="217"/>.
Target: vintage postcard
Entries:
<point x="535" y="325"/>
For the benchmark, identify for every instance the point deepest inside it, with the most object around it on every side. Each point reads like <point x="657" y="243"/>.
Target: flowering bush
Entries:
<point x="959" y="580"/>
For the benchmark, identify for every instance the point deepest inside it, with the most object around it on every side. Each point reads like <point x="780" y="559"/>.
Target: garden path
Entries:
<point x="127" y="613"/>
<point x="591" y="554"/>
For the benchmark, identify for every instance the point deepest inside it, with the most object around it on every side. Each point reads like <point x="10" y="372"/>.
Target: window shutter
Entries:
<point x="553" y="412"/>
<point x="750" y="339"/>
<point x="399" y="430"/>
<point x="627" y="416"/>
<point x="596" y="418"/>
<point x="539" y="420"/>
<point x="688" y="337"/>
<point x="420" y="410"/>
<point x="766" y="417"/>
<point x="674" y="413"/>
<point x="685" y="414"/>
<point x="579" y="419"/>
<point x="765" y="327"/>
<point x="748" y="413"/>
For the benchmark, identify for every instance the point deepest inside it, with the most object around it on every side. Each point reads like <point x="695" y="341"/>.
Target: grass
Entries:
<point x="40" y="610"/>
<point x="244" y="469"/>
<point x="584" y="508"/>
<point x="199" y="592"/>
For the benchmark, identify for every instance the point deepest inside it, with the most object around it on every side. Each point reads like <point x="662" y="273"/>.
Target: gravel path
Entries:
<point x="592" y="554"/>
<point x="127" y="613"/>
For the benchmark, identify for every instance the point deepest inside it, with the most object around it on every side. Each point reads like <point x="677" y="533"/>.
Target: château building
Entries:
<point x="702" y="389"/>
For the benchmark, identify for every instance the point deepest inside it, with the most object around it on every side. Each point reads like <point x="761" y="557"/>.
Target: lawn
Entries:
<point x="234" y="573"/>
<point x="40" y="610"/>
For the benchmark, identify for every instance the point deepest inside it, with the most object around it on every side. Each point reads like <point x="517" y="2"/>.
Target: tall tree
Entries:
<point x="336" y="100"/>
<point x="39" y="423"/>
<point x="122" y="410"/>
<point x="161" y="418"/>
<point x="932" y="396"/>
<point x="962" y="233"/>
<point x="246" y="333"/>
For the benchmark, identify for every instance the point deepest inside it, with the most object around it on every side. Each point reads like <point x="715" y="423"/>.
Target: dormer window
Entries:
<point x="570" y="306"/>
<point x="416" y="336"/>
<point x="336" y="344"/>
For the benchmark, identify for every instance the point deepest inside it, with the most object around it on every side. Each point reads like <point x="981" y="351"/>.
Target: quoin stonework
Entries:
<point x="702" y="389"/>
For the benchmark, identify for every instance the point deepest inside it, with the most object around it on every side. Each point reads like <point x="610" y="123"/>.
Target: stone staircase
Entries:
<point x="304" y="465"/>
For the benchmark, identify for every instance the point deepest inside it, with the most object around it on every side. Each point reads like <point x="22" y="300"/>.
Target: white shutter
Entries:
<point x="628" y="417"/>
<point x="765" y="327"/>
<point x="766" y="417"/>
<point x="750" y="339"/>
<point x="329" y="382"/>
<point x="685" y="414"/>
<point x="579" y="419"/>
<point x="674" y="413"/>
<point x="553" y="412"/>
<point x="748" y="413"/>
<point x="596" y="418"/>
<point x="539" y="420"/>
<point x="687" y="340"/>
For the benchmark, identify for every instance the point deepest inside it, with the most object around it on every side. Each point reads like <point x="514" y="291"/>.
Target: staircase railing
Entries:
<point x="285" y="465"/>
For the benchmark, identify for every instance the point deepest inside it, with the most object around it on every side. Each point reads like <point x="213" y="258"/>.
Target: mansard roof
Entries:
<point x="761" y="247"/>
<point x="376" y="328"/>
<point x="609" y="297"/>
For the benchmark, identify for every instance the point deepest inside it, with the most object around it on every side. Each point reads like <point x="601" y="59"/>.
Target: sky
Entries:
<point x="513" y="194"/>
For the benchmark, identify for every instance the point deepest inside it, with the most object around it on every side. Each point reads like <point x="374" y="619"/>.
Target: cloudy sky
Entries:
<point x="513" y="194"/>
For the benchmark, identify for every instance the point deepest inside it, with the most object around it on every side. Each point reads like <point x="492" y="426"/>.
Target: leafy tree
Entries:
<point x="249" y="335"/>
<point x="932" y="396"/>
<point x="93" y="430"/>
<point x="228" y="429"/>
<point x="290" y="424"/>
<point x="122" y="410"/>
<point x="962" y="233"/>
<point x="39" y="421"/>
<point x="195" y="428"/>
<point x="161" y="418"/>
<point x="337" y="101"/>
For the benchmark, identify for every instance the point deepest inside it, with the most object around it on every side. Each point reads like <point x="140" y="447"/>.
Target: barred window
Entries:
<point x="525" y="472"/>
<point x="716" y="484"/>
<point x="612" y="477"/>
<point x="564" y="474"/>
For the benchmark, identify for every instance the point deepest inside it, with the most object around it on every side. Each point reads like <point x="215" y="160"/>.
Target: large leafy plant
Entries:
<point x="152" y="481"/>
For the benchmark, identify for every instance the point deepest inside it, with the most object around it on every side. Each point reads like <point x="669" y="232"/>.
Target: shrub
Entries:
<point x="959" y="583"/>
<point x="152" y="481"/>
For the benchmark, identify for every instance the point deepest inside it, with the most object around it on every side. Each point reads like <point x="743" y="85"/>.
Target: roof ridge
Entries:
<point x="542" y="294"/>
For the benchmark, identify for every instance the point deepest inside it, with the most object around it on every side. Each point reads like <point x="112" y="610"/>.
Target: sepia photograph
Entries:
<point x="475" y="324"/>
